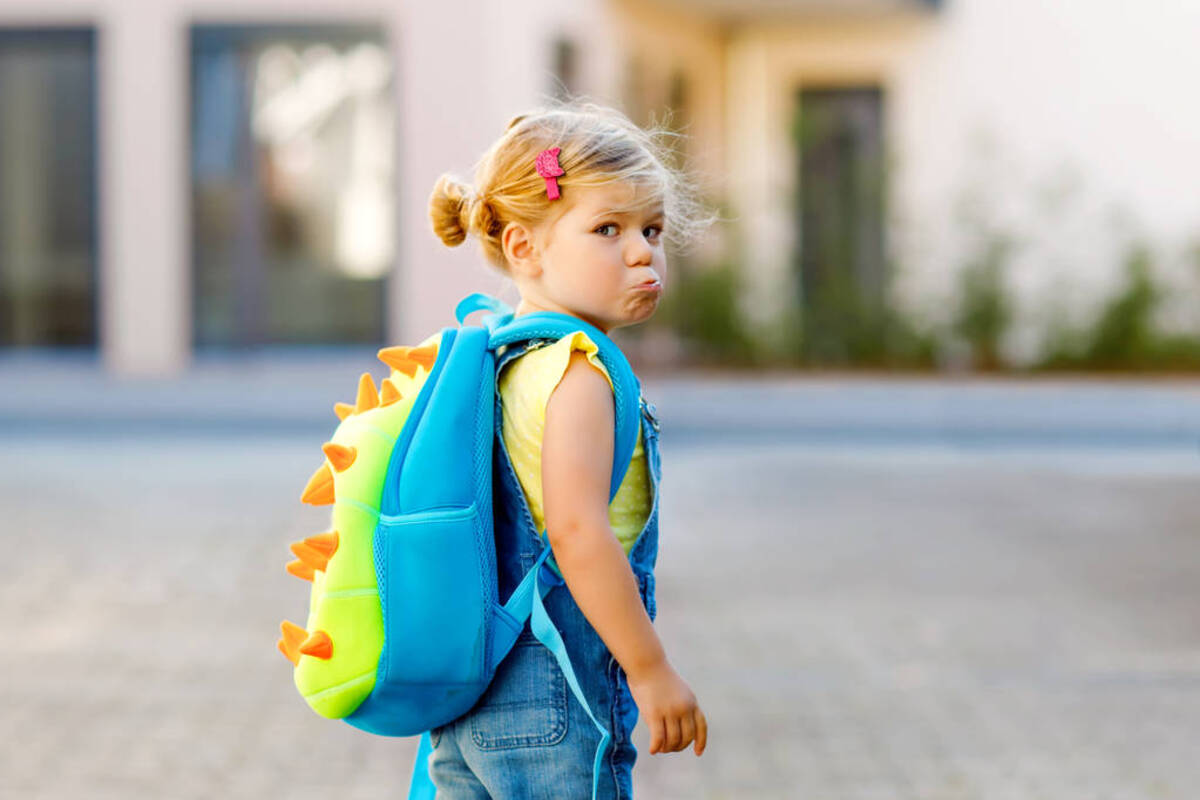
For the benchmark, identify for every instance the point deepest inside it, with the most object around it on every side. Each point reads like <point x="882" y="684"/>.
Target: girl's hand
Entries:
<point x="670" y="709"/>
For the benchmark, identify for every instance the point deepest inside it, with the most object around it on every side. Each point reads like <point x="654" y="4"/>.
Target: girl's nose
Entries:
<point x="638" y="253"/>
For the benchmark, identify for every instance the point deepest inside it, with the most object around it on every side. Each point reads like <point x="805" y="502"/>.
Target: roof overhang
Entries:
<point x="738" y="11"/>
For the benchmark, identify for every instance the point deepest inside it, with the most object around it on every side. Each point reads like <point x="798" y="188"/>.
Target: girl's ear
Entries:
<point x="520" y="250"/>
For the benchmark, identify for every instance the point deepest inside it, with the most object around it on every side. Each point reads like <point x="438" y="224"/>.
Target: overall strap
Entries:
<point x="545" y="632"/>
<point x="525" y="603"/>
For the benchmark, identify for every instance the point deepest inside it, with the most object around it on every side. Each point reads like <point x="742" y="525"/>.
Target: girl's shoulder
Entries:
<point x="538" y="371"/>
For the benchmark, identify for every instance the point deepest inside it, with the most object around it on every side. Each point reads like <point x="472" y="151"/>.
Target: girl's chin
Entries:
<point x="641" y="313"/>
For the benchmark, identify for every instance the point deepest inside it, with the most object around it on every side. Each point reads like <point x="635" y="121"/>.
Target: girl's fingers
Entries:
<point x="687" y="730"/>
<point x="701" y="732"/>
<point x="673" y="735"/>
<point x="657" y="734"/>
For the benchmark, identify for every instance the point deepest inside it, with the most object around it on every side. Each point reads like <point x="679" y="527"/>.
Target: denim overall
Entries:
<point x="528" y="737"/>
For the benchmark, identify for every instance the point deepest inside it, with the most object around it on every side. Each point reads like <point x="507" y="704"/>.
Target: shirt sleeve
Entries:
<point x="559" y="356"/>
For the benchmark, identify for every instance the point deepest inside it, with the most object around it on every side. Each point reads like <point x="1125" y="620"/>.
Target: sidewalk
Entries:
<point x="294" y="393"/>
<point x="866" y="611"/>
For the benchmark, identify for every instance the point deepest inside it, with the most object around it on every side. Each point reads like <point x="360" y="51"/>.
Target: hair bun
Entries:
<point x="450" y="210"/>
<point x="483" y="217"/>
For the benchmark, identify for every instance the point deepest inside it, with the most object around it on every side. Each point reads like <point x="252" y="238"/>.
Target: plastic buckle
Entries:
<point x="652" y="414"/>
<point x="548" y="577"/>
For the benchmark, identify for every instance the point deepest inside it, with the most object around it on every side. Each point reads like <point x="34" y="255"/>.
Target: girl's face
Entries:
<point x="603" y="266"/>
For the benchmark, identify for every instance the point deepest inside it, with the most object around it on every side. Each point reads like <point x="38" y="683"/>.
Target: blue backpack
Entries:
<point x="405" y="627"/>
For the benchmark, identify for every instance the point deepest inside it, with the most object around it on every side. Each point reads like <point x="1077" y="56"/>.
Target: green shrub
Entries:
<point x="1124" y="335"/>
<point x="702" y="309"/>
<point x="985" y="307"/>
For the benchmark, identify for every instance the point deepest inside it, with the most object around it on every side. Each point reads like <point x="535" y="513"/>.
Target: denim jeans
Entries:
<point x="528" y="738"/>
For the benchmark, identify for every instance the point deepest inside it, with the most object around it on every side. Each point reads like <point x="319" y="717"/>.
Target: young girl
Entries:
<point x="573" y="203"/>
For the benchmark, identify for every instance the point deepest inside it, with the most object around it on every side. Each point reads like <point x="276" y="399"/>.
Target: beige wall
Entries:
<point x="142" y="214"/>
<point x="461" y="85"/>
<point x="665" y="42"/>
<point x="767" y="65"/>
<point x="463" y="70"/>
<point x="1028" y="102"/>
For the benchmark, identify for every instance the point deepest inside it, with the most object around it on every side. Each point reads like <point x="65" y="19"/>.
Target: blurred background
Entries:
<point x="929" y="389"/>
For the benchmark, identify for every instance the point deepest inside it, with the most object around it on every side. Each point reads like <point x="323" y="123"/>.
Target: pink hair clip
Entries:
<point x="547" y="166"/>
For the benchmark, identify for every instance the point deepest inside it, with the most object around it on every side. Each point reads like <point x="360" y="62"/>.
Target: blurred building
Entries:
<point x="208" y="175"/>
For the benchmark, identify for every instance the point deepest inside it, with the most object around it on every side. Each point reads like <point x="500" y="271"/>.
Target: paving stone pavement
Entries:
<point x="901" y="622"/>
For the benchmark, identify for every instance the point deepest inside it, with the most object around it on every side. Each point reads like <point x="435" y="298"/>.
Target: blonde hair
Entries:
<point x="599" y="145"/>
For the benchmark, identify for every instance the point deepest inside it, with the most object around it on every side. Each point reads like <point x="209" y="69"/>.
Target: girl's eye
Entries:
<point x="656" y="228"/>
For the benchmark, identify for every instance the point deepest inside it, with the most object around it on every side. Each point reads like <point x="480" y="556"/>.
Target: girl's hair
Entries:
<point x="599" y="145"/>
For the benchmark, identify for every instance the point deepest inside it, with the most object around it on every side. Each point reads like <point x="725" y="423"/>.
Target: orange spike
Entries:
<point x="311" y="556"/>
<point x="407" y="366"/>
<point x="388" y="392"/>
<point x="343" y="410"/>
<point x="326" y="543"/>
<point x="293" y="638"/>
<point x="340" y="455"/>
<point x="398" y="359"/>
<point x="389" y="354"/>
<point x="425" y="356"/>
<point x="318" y="645"/>
<point x="367" y="398"/>
<point x="300" y="570"/>
<point x="319" y="491"/>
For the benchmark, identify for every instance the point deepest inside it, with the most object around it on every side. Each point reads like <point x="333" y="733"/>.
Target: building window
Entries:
<point x="47" y="188"/>
<point x="293" y="184"/>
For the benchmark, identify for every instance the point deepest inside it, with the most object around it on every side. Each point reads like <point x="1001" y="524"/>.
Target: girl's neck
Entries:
<point x="527" y="306"/>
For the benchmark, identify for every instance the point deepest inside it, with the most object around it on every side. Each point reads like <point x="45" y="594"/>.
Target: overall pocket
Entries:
<point x="526" y="703"/>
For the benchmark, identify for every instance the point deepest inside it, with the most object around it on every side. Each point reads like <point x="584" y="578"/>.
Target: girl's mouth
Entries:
<point x="650" y="286"/>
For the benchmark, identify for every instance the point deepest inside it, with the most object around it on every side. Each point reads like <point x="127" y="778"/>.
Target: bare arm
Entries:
<point x="577" y="457"/>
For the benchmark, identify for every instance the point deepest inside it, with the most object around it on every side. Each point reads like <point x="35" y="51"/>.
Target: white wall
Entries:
<point x="1077" y="121"/>
<point x="1073" y="123"/>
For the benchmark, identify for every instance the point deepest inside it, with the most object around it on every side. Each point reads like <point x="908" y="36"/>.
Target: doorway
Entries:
<point x="842" y="273"/>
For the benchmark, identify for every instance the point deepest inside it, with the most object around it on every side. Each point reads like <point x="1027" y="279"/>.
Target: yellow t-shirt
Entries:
<point x="525" y="385"/>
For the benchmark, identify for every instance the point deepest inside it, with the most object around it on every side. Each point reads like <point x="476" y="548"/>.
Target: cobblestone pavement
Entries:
<point x="904" y="621"/>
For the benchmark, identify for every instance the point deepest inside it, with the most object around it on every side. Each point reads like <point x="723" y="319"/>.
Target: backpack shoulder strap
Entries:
<point x="507" y="329"/>
<point x="626" y="387"/>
